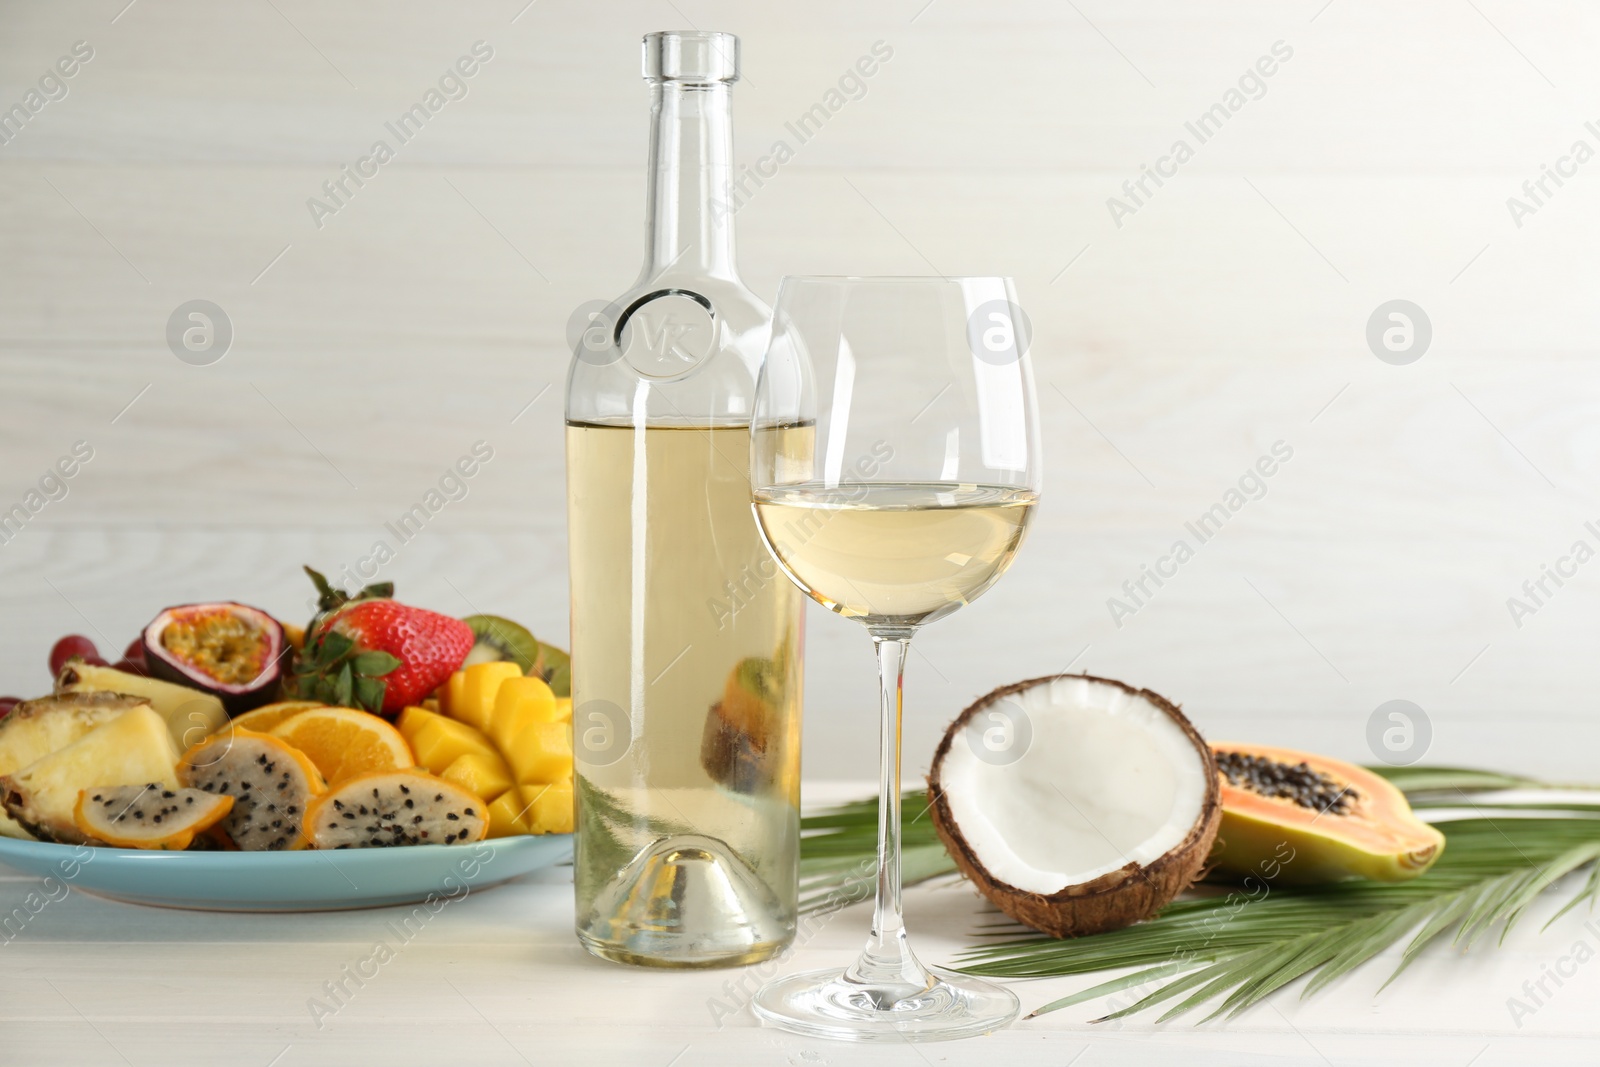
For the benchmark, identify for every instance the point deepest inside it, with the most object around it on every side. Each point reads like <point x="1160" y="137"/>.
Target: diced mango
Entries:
<point x="549" y="808"/>
<point x="542" y="753"/>
<point x="481" y="774"/>
<point x="480" y="683"/>
<point x="508" y="814"/>
<point x="519" y="704"/>
<point x="504" y="737"/>
<point x="413" y="719"/>
<point x="452" y="692"/>
<point x="440" y="743"/>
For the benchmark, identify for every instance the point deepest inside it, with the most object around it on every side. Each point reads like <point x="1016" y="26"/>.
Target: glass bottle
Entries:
<point x="686" y="641"/>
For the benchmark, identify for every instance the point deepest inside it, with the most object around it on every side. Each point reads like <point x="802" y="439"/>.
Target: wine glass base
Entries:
<point x="825" y="1004"/>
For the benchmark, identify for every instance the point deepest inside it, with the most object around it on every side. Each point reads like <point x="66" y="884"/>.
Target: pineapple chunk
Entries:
<point x="36" y="728"/>
<point x="550" y="808"/>
<point x="519" y="703"/>
<point x="482" y="775"/>
<point x="564" y="709"/>
<point x="508" y="814"/>
<point x="191" y="715"/>
<point x="133" y="749"/>
<point x="542" y="753"/>
<point x="439" y="744"/>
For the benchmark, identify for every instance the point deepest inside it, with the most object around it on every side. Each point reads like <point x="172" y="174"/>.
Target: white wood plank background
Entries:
<point x="1226" y="314"/>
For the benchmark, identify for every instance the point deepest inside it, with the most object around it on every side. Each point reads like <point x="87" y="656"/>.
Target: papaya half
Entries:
<point x="1297" y="818"/>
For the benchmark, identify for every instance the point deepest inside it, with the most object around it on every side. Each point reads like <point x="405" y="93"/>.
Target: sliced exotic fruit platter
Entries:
<point x="376" y="725"/>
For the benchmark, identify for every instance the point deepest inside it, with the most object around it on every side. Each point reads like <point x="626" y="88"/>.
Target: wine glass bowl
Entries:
<point x="894" y="470"/>
<point x="918" y="395"/>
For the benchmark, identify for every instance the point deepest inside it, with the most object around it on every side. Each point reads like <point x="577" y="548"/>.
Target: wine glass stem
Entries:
<point x="887" y="962"/>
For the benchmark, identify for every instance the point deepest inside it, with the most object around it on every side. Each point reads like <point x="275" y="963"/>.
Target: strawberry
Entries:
<point x="376" y="653"/>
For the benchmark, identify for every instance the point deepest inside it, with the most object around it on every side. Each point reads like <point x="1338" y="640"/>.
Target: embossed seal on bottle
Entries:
<point x="667" y="334"/>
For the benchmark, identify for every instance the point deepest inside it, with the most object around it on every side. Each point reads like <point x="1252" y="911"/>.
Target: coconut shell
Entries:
<point x="1116" y="899"/>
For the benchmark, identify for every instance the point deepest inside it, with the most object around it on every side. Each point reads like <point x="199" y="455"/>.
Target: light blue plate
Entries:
<point x="287" y="881"/>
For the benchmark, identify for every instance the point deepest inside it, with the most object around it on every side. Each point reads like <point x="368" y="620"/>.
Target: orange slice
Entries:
<point x="345" y="742"/>
<point x="266" y="719"/>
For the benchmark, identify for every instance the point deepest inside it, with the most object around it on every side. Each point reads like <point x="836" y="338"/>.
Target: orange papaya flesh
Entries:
<point x="1297" y="818"/>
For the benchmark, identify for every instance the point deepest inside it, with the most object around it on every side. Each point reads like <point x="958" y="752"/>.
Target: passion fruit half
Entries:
<point x="233" y="651"/>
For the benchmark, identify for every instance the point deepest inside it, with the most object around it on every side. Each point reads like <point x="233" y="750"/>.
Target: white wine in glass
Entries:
<point x="912" y="502"/>
<point x="897" y="554"/>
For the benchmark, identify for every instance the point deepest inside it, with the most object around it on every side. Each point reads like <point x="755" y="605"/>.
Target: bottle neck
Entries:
<point x="689" y="225"/>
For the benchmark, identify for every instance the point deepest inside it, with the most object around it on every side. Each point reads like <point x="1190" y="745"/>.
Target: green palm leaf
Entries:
<point x="1237" y="948"/>
<point x="839" y="852"/>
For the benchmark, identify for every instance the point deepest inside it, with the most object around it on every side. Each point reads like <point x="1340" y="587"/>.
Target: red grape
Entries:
<point x="7" y="703"/>
<point x="74" y="645"/>
<point x="134" y="653"/>
<point x="129" y="666"/>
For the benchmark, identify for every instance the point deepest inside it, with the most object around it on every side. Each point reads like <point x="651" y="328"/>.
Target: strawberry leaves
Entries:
<point x="330" y="598"/>
<point x="387" y="656"/>
<point x="335" y="670"/>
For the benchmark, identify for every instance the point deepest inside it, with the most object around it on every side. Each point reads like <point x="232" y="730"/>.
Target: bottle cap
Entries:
<point x="691" y="56"/>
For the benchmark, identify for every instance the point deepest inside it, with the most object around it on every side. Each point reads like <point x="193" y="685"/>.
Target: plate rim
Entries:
<point x="66" y="863"/>
<point x="282" y="856"/>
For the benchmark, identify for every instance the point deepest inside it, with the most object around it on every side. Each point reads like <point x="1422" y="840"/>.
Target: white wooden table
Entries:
<point x="497" y="978"/>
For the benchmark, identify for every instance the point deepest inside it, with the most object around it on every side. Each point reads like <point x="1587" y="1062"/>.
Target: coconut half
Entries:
<point x="1076" y="804"/>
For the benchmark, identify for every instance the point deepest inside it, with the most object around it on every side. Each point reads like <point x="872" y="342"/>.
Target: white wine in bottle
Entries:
<point x="686" y="638"/>
<point x="693" y="636"/>
<point x="894" y="554"/>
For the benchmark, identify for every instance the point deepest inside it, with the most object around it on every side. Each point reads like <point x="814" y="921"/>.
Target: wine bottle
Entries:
<point x="686" y="639"/>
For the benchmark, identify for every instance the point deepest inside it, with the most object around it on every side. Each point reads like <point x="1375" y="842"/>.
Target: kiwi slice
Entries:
<point x="501" y="640"/>
<point x="555" y="667"/>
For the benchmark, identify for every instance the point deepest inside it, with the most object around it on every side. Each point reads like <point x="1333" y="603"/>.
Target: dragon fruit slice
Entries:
<point x="272" y="786"/>
<point x="389" y="808"/>
<point x="152" y="816"/>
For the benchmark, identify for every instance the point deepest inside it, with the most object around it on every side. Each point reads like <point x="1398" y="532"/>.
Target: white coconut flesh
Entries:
<point x="1106" y="779"/>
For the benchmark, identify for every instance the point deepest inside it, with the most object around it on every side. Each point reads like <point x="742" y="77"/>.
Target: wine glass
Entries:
<point x="894" y="466"/>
